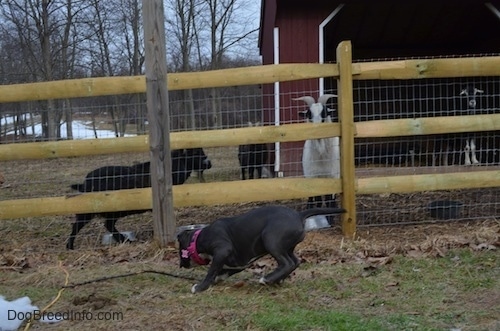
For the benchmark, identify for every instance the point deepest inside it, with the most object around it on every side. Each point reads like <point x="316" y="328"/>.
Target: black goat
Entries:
<point x="111" y="178"/>
<point x="252" y="157"/>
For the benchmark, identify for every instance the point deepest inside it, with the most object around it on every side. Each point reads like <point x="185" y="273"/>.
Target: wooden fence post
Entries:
<point x="159" y="122"/>
<point x="347" y="128"/>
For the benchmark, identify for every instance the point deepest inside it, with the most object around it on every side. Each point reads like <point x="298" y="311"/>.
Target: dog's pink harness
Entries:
<point x="191" y="252"/>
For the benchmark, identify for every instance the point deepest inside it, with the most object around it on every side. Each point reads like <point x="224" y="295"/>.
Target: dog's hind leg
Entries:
<point x="286" y="264"/>
<point x="110" y="226"/>
<point x="281" y="248"/>
<point x="80" y="221"/>
<point x="295" y="260"/>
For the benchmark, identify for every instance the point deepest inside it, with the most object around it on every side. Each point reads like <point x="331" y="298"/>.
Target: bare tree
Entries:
<point x="203" y="34"/>
<point x="43" y="29"/>
<point x="116" y="48"/>
<point x="181" y="25"/>
<point x="44" y="40"/>
<point x="226" y="29"/>
<point x="132" y="21"/>
<point x="68" y="42"/>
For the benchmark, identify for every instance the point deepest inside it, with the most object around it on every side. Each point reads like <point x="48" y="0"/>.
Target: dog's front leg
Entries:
<point x="213" y="271"/>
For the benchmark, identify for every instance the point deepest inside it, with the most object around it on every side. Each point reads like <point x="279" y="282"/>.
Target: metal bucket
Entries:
<point x="316" y="222"/>
<point x="189" y="227"/>
<point x="107" y="239"/>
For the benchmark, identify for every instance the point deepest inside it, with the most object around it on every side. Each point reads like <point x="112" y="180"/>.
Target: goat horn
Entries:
<point x="324" y="98"/>
<point x="307" y="99"/>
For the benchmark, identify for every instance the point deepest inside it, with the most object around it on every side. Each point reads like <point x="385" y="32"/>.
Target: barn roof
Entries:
<point x="394" y="28"/>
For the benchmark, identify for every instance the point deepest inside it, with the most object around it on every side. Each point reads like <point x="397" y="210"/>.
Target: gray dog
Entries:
<point x="231" y="244"/>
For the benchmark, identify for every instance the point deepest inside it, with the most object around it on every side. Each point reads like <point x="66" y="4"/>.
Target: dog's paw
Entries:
<point x="263" y="281"/>
<point x="193" y="289"/>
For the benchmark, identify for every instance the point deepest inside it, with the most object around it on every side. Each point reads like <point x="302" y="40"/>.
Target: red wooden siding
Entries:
<point x="298" y="43"/>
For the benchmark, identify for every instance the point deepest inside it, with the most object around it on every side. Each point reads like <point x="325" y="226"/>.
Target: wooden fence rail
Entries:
<point x="264" y="134"/>
<point x="256" y="190"/>
<point x="208" y="194"/>
<point x="101" y="86"/>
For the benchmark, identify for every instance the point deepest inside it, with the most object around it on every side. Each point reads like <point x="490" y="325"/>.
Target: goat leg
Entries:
<point x="473" y="151"/>
<point x="80" y="221"/>
<point x="110" y="226"/>
<point x="467" y="161"/>
<point x="259" y="171"/>
<point x="319" y="201"/>
<point x="201" y="178"/>
<point x="251" y="170"/>
<point x="315" y="202"/>
<point x="445" y="151"/>
<point x="310" y="203"/>
<point x="330" y="202"/>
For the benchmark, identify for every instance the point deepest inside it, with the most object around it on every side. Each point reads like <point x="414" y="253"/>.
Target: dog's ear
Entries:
<point x="184" y="238"/>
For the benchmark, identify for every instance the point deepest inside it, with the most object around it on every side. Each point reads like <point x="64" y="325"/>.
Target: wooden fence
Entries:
<point x="259" y="189"/>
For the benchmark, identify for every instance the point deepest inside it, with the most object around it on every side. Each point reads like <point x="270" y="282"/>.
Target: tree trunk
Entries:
<point x="68" y="114"/>
<point x="191" y="115"/>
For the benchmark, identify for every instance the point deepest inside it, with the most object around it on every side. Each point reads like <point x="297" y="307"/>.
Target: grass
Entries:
<point x="408" y="294"/>
<point x="278" y="317"/>
<point x="459" y="290"/>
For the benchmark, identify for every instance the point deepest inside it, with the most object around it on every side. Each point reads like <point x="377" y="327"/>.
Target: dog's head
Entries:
<point x="188" y="253"/>
<point x="196" y="159"/>
<point x="184" y="239"/>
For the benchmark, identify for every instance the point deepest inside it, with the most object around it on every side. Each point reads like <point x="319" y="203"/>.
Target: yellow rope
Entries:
<point x="28" y="325"/>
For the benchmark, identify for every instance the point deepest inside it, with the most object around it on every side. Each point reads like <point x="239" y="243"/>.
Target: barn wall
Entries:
<point x="298" y="43"/>
<point x="267" y="24"/>
<point x="386" y="29"/>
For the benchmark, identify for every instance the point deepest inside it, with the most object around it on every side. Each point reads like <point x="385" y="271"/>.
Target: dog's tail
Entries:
<point x="320" y="211"/>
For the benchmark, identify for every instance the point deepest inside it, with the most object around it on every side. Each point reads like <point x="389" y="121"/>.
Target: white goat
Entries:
<point x="470" y="145"/>
<point x="321" y="157"/>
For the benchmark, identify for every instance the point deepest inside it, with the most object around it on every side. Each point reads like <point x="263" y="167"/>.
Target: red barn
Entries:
<point x="294" y="31"/>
